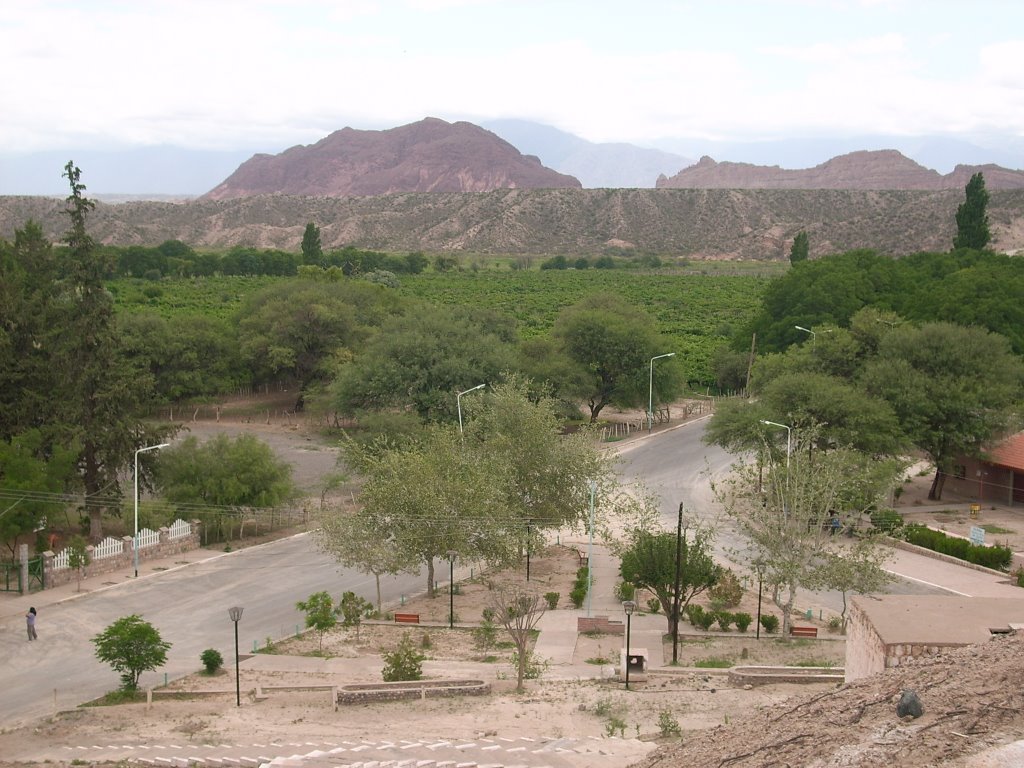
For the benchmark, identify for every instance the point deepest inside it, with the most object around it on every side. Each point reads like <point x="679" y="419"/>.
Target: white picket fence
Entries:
<point x="107" y="548"/>
<point x="111" y="546"/>
<point x="179" y="529"/>
<point x="147" y="538"/>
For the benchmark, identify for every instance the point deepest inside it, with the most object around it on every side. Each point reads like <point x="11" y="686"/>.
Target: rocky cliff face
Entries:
<point x="429" y="156"/>
<point x="885" y="169"/>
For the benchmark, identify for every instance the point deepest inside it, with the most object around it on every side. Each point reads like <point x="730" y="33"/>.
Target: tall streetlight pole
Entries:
<point x="789" y="437"/>
<point x="135" y="539"/>
<point x="236" y="615"/>
<point x="458" y="402"/>
<point x="650" y="392"/>
<point x="628" y="606"/>
<point x="451" y="588"/>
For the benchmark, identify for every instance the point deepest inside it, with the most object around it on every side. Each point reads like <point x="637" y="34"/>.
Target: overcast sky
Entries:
<point x="221" y="74"/>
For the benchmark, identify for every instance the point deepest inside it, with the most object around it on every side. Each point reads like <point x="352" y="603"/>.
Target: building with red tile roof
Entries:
<point x="997" y="477"/>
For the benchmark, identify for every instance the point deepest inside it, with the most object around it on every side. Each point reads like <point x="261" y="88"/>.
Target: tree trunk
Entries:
<point x="935" y="492"/>
<point x="376" y="577"/>
<point x="522" y="648"/>
<point x="430" y="577"/>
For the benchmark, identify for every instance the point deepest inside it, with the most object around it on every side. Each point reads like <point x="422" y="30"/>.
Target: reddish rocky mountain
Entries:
<point x="428" y="156"/>
<point x="884" y="169"/>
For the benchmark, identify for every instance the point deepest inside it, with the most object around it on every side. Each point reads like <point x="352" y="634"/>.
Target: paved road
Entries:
<point x="190" y="608"/>
<point x="679" y="467"/>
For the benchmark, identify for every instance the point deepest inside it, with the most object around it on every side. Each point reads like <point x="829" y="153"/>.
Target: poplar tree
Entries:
<point x="971" y="219"/>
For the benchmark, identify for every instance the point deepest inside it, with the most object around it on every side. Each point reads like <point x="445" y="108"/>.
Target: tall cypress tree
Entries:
<point x="971" y="218"/>
<point x="801" y="248"/>
<point x="312" y="250"/>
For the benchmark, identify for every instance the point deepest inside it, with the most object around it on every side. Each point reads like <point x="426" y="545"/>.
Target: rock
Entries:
<point x="909" y="704"/>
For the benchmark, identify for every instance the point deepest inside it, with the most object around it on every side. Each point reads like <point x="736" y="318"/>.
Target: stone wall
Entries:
<point x="600" y="624"/>
<point x="361" y="693"/>
<point x="167" y="547"/>
<point x="865" y="651"/>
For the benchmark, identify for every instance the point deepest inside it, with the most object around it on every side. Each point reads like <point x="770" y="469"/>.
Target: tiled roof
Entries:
<point x="1009" y="453"/>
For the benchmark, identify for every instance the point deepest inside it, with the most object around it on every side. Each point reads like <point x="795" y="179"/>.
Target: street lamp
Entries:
<point x="135" y="539"/>
<point x="650" y="392"/>
<point x="236" y="614"/>
<point x="628" y="606"/>
<point x="458" y="401"/>
<point x="789" y="437"/>
<point x="451" y="588"/>
<point x="814" y="336"/>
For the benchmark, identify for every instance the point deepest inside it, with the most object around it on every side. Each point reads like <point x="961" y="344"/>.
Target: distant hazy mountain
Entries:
<point x="880" y="169"/>
<point x="131" y="171"/>
<point x="619" y="166"/>
<point x="430" y="155"/>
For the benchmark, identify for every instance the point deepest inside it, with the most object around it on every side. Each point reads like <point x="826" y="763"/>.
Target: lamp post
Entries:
<point x="789" y="437"/>
<point x="628" y="606"/>
<point x="451" y="588"/>
<point x="814" y="336"/>
<point x="236" y="614"/>
<point x="650" y="392"/>
<point x="135" y="539"/>
<point x="680" y="537"/>
<point x="458" y="402"/>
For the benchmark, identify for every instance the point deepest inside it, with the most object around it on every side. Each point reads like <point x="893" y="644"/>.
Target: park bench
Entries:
<point x="407" y="618"/>
<point x="803" y="631"/>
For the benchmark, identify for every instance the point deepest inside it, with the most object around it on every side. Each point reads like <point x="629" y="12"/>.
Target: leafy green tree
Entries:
<point x="857" y="569"/>
<point x="800" y="249"/>
<point x="29" y="479"/>
<point x="131" y="646"/>
<point x="355" y="543"/>
<point x="321" y="614"/>
<point x="100" y="392"/>
<point x="423" y="359"/>
<point x="416" y="262"/>
<point x="649" y="563"/>
<point x="225" y="472"/>
<point x="353" y="608"/>
<point x="312" y="250"/>
<point x="78" y="558"/>
<point x="953" y="389"/>
<point x="971" y="219"/>
<point x="783" y="506"/>
<point x="403" y="663"/>
<point x="614" y="342"/>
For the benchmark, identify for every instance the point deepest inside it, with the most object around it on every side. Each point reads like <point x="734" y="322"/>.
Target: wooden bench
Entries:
<point x="803" y="631"/>
<point x="407" y="618"/>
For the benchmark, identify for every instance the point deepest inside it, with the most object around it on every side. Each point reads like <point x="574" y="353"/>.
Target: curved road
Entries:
<point x="190" y="608"/>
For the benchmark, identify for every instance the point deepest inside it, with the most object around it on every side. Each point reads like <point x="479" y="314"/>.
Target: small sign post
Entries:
<point x="977" y="535"/>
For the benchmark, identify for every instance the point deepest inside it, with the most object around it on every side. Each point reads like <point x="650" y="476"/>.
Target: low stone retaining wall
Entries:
<point x="753" y="675"/>
<point x="600" y="624"/>
<point x="361" y="693"/>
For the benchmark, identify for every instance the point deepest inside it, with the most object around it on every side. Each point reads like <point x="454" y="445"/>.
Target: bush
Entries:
<point x="403" y="663"/>
<point x="668" y="725"/>
<point x="728" y="591"/>
<point x="212" y="660"/>
<point x="1020" y="577"/>
<point x="743" y="620"/>
<point x="835" y="624"/>
<point x="724" y="619"/>
<point x="886" y="521"/>
<point x="654" y="605"/>
<point x="534" y="667"/>
<point x="485" y="636"/>
<point x="693" y="613"/>
<point x="705" y="619"/>
<point x="552" y="599"/>
<point x="997" y="557"/>
<point x="578" y="595"/>
<point x="770" y="623"/>
<point x="625" y="590"/>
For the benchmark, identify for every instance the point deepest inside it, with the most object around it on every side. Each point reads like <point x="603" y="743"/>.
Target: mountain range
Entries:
<point x="176" y="172"/>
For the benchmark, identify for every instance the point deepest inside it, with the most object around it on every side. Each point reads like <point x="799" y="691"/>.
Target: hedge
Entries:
<point x="997" y="557"/>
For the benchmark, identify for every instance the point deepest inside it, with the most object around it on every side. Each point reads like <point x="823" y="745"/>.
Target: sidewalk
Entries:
<point x="14" y="605"/>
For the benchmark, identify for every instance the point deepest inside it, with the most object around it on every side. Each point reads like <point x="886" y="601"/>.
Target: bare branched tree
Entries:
<point x="518" y="611"/>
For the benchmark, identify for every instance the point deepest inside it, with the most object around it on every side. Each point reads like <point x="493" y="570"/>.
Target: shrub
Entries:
<point x="705" y="619"/>
<point x="485" y="636"/>
<point x="835" y="623"/>
<point x="625" y="590"/>
<point x="728" y="591"/>
<point x="743" y="620"/>
<point x="887" y="521"/>
<point x="552" y="599"/>
<point x="1020" y="577"/>
<point x="488" y="614"/>
<point x="997" y="557"/>
<point x="724" y="619"/>
<point x="403" y="663"/>
<point x="668" y="725"/>
<point x="212" y="660"/>
<point x="770" y="623"/>
<point x="654" y="605"/>
<point x="534" y="667"/>
<point x="693" y="613"/>
<point x="578" y="595"/>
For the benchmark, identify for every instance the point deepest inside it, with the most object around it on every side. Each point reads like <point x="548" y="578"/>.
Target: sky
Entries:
<point x="264" y="74"/>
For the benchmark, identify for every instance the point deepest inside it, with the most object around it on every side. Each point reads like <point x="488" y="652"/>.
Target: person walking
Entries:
<point x="30" y="622"/>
